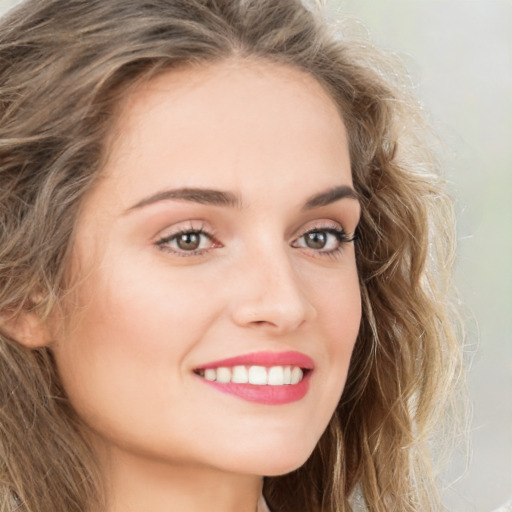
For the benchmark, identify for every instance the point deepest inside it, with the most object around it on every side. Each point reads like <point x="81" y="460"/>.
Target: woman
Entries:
<point x="224" y="264"/>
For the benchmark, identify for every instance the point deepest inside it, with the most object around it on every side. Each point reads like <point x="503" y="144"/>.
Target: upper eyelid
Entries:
<point x="184" y="227"/>
<point x="171" y="236"/>
<point x="202" y="226"/>
<point x="339" y="231"/>
<point x="319" y="225"/>
<point x="164" y="243"/>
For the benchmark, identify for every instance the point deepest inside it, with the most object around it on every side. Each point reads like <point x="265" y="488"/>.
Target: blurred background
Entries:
<point x="459" y="54"/>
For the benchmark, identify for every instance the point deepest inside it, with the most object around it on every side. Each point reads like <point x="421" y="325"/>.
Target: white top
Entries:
<point x="262" y="505"/>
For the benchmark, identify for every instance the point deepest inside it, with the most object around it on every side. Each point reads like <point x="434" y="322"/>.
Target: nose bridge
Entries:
<point x="269" y="290"/>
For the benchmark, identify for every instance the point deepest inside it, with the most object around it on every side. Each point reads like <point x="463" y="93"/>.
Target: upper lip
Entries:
<point x="291" y="358"/>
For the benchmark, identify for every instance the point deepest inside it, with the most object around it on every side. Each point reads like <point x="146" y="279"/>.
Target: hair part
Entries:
<point x="66" y="64"/>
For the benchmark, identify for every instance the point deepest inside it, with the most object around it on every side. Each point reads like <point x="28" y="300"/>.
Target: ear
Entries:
<point x="26" y="328"/>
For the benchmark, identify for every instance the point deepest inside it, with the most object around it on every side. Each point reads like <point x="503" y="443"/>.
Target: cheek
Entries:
<point x="341" y="321"/>
<point x="338" y="304"/>
<point x="122" y="361"/>
<point x="133" y="320"/>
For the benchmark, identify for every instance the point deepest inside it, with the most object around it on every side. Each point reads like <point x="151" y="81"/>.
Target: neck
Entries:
<point x="137" y="484"/>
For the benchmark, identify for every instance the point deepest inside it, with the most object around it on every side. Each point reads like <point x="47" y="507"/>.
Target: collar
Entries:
<point x="262" y="505"/>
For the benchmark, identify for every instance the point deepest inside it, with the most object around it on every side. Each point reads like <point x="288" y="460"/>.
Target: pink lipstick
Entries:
<point x="271" y="378"/>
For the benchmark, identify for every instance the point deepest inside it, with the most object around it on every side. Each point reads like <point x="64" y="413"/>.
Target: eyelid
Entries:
<point x="190" y="226"/>
<point x="334" y="228"/>
<point x="320" y="224"/>
<point x="167" y="236"/>
<point x="325" y="225"/>
<point x="183" y="226"/>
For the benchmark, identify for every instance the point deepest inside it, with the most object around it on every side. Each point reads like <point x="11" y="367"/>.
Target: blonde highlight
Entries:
<point x="57" y="110"/>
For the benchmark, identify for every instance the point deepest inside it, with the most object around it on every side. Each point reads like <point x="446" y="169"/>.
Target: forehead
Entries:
<point x="231" y="82"/>
<point x="234" y="123"/>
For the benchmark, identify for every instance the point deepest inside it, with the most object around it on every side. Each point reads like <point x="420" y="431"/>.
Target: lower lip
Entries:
<point x="268" y="395"/>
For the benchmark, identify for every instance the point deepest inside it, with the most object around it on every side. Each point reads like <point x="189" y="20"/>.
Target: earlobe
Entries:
<point x="27" y="328"/>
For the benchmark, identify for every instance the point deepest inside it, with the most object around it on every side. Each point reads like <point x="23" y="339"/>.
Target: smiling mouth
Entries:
<point x="265" y="377"/>
<point x="282" y="375"/>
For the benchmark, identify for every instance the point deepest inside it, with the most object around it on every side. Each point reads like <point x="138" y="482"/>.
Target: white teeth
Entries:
<point x="276" y="376"/>
<point x="256" y="375"/>
<point x="296" y="375"/>
<point x="210" y="374"/>
<point x="223" y="375"/>
<point x="240" y="375"/>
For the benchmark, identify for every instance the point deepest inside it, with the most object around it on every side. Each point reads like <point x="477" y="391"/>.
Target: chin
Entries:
<point x="275" y="461"/>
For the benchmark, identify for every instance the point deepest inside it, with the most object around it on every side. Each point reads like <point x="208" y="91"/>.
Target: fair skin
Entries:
<point x="270" y="267"/>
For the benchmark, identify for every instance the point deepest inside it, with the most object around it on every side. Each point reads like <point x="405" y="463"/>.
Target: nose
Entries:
<point x="270" y="295"/>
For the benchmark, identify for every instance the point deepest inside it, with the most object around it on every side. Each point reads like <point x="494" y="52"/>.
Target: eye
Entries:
<point x="323" y="239"/>
<point x="191" y="241"/>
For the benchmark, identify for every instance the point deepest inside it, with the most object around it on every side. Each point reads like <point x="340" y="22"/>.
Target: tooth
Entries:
<point x="276" y="376"/>
<point x="223" y="375"/>
<point x="240" y="375"/>
<point x="296" y="375"/>
<point x="210" y="374"/>
<point x="287" y="375"/>
<point x="258" y="375"/>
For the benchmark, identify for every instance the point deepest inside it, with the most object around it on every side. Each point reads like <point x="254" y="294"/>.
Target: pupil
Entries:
<point x="188" y="241"/>
<point x="316" y="240"/>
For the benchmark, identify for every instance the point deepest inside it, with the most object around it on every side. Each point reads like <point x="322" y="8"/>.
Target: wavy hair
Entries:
<point x="65" y="64"/>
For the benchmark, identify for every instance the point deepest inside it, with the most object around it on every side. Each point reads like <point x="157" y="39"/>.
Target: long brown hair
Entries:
<point x="64" y="64"/>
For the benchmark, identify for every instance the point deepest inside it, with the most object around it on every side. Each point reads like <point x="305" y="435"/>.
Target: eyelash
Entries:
<point x="162" y="243"/>
<point x="335" y="230"/>
<point x="338" y="232"/>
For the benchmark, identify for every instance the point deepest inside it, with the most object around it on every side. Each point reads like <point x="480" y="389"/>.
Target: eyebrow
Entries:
<point x="229" y="199"/>
<point x="330" y="196"/>
<point x="194" y="195"/>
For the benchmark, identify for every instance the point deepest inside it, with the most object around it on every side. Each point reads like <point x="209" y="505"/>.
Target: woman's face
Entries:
<point x="216" y="248"/>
